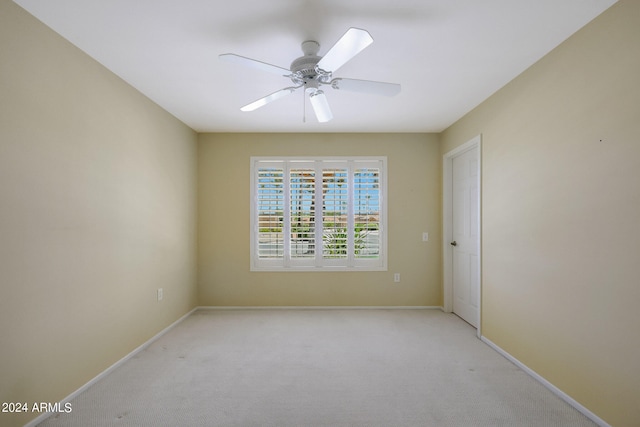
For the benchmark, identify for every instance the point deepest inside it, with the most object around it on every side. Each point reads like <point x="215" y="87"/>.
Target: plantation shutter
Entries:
<point x="270" y="212"/>
<point x="302" y="212"/>
<point x="367" y="212"/>
<point x="318" y="214"/>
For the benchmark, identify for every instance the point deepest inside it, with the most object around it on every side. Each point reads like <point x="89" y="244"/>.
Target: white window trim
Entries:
<point x="379" y="264"/>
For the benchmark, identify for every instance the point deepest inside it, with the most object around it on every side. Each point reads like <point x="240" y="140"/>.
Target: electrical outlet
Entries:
<point x="425" y="237"/>
<point x="160" y="294"/>
<point x="396" y="277"/>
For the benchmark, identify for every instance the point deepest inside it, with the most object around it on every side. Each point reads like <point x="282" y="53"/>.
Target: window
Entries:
<point x="318" y="214"/>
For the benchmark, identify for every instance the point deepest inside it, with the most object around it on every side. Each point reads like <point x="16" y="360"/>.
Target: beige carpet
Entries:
<point x="319" y="368"/>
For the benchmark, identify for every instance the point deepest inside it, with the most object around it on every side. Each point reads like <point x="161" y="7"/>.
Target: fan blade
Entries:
<point x="269" y="98"/>
<point x="349" y="45"/>
<point x="366" y="86"/>
<point x="232" y="57"/>
<point x="320" y="106"/>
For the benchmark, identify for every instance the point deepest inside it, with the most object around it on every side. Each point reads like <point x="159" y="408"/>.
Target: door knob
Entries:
<point x="454" y="243"/>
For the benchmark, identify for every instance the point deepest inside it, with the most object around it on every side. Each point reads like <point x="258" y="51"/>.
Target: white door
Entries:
<point x="465" y="236"/>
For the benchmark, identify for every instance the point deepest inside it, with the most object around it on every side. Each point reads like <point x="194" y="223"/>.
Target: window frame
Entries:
<point x="319" y="262"/>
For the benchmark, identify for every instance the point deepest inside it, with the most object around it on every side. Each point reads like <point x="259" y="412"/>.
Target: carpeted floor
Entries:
<point x="319" y="368"/>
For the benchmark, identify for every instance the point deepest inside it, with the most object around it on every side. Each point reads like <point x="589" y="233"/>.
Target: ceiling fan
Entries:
<point x="312" y="72"/>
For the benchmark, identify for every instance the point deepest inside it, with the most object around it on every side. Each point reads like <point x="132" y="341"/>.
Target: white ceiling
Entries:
<point x="448" y="55"/>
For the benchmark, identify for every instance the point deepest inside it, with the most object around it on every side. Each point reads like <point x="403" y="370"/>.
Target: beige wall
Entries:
<point x="223" y="231"/>
<point x="97" y="210"/>
<point x="561" y="215"/>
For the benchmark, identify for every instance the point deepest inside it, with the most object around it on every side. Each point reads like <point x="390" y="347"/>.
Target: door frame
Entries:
<point x="447" y="223"/>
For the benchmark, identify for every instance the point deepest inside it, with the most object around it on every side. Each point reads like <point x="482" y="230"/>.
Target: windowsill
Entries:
<point x="324" y="269"/>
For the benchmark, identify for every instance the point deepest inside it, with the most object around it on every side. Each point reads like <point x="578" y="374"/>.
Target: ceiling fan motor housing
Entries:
<point x="304" y="70"/>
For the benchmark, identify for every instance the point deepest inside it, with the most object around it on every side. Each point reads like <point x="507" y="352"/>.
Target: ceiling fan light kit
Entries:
<point x="320" y="105"/>
<point x="312" y="71"/>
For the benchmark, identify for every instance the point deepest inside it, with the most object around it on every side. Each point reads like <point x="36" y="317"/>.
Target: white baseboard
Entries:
<point x="317" y="307"/>
<point x="110" y="369"/>
<point x="562" y="395"/>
